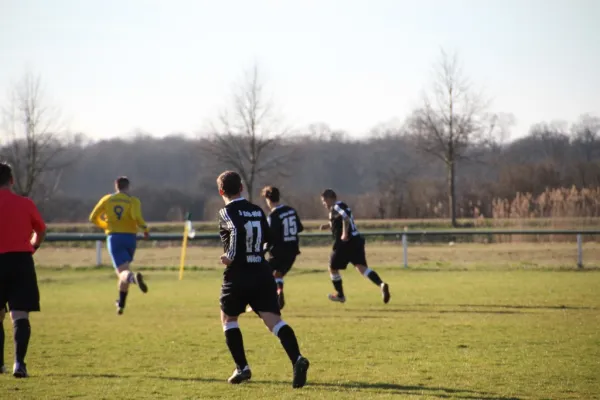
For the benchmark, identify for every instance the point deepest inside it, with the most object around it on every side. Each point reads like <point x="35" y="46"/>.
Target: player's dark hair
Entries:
<point x="271" y="193"/>
<point x="5" y="173"/>
<point x="329" y="194"/>
<point x="230" y="183"/>
<point x="122" y="183"/>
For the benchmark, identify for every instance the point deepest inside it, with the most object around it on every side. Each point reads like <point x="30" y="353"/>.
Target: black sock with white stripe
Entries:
<point x="122" y="298"/>
<point x="288" y="340"/>
<point x="372" y="276"/>
<point x="336" y="279"/>
<point x="235" y="342"/>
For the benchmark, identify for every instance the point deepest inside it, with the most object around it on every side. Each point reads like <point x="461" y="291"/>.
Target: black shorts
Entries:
<point x="18" y="282"/>
<point x="282" y="264"/>
<point x="249" y="285"/>
<point x="352" y="251"/>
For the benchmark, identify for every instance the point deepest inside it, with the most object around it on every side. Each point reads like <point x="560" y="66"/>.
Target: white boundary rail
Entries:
<point x="403" y="235"/>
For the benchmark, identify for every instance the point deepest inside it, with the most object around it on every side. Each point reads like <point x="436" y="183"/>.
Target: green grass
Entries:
<point x="477" y="334"/>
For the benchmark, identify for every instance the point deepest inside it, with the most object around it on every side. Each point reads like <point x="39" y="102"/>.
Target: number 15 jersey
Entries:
<point x="244" y="231"/>
<point x="119" y="213"/>
<point x="285" y="225"/>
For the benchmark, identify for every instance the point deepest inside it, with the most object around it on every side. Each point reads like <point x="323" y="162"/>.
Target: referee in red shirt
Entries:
<point x="19" y="220"/>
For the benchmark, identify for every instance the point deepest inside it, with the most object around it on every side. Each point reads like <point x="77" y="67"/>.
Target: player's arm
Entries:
<point x="228" y="228"/>
<point x="136" y="214"/>
<point x="325" y="226"/>
<point x="269" y="234"/>
<point x="96" y="215"/>
<point x="345" y="221"/>
<point x="39" y="227"/>
<point x="273" y="227"/>
<point x="299" y="224"/>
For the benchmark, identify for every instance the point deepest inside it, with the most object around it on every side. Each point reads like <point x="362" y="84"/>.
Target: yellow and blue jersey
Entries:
<point x="119" y="213"/>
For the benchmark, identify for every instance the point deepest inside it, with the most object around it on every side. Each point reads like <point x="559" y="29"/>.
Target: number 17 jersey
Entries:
<point x="244" y="231"/>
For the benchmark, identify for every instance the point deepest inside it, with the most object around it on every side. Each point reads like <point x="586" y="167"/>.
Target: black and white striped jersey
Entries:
<point x="337" y="214"/>
<point x="285" y="225"/>
<point x="244" y="231"/>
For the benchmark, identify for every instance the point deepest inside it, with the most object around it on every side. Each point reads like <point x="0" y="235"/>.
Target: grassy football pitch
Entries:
<point x="470" y="322"/>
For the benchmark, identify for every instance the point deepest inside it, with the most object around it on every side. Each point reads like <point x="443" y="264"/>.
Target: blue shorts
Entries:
<point x="121" y="247"/>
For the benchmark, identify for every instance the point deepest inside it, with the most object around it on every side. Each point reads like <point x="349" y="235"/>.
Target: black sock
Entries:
<point x="374" y="277"/>
<point x="22" y="334"/>
<point x="235" y="342"/>
<point x="122" y="298"/>
<point x="288" y="340"/>
<point x="339" y="288"/>
<point x="1" y="344"/>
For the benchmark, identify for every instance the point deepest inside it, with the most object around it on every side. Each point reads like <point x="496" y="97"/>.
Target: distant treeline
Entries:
<point x="383" y="176"/>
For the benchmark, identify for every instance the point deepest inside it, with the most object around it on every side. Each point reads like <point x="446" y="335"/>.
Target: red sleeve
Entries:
<point x="37" y="222"/>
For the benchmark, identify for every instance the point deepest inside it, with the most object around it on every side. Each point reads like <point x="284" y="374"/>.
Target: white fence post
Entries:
<point x="405" y="249"/>
<point x="98" y="253"/>
<point x="579" y="251"/>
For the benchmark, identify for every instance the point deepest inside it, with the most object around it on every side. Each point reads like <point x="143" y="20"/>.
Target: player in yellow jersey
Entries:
<point x="120" y="215"/>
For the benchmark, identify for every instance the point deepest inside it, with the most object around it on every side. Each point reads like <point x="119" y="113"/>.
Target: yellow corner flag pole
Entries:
<point x="187" y="230"/>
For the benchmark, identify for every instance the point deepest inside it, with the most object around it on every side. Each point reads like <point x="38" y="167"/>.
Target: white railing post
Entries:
<point x="98" y="253"/>
<point x="579" y="251"/>
<point x="405" y="248"/>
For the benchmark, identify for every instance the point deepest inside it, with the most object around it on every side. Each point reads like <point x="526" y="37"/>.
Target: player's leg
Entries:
<point x="24" y="297"/>
<point x="119" y="248"/>
<point x="232" y="305"/>
<point x="22" y="334"/>
<point x="2" y="315"/>
<point x="137" y="278"/>
<point x="119" y="258"/>
<point x="264" y="301"/>
<point x="338" y="261"/>
<point x="359" y="259"/>
<point x="281" y="266"/>
<point x="124" y="276"/>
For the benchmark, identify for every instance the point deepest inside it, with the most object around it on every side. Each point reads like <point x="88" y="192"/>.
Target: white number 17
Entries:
<point x="253" y="240"/>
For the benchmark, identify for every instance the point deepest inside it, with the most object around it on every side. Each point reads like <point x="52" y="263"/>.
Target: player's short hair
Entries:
<point x="6" y="174"/>
<point x="122" y="183"/>
<point x="271" y="193"/>
<point x="329" y="194"/>
<point x="230" y="182"/>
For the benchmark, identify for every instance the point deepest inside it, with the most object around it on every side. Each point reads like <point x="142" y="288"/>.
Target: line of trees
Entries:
<point x="449" y="160"/>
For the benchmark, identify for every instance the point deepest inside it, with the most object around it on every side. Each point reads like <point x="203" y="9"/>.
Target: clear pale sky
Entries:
<point x="113" y="66"/>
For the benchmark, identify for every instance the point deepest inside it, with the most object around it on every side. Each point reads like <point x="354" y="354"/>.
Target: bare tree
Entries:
<point x="586" y="136"/>
<point x="552" y="140"/>
<point x="452" y="120"/>
<point x="249" y="137"/>
<point x="586" y="140"/>
<point x="33" y="139"/>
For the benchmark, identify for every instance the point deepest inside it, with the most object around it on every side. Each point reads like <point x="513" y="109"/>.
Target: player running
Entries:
<point x="283" y="244"/>
<point x="348" y="247"/>
<point x="22" y="230"/>
<point x="120" y="215"/>
<point x="248" y="279"/>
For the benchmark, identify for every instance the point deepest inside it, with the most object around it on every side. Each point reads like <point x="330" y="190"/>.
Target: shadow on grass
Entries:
<point x="520" y="307"/>
<point x="348" y="313"/>
<point x="511" y="306"/>
<point x="460" y="309"/>
<point x="392" y="388"/>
